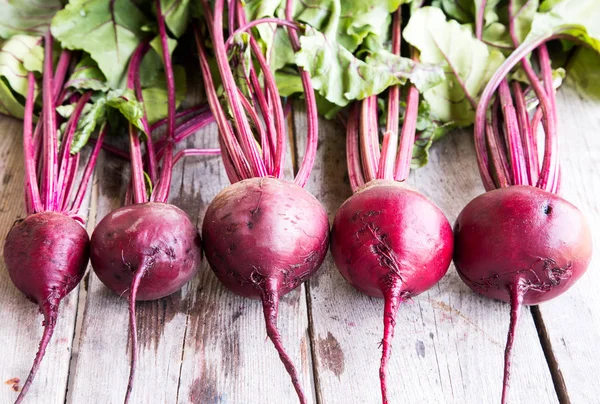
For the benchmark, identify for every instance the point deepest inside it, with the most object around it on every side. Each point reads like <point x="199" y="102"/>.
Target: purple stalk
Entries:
<point x="264" y="141"/>
<point x="49" y="126"/>
<point x="65" y="149"/>
<point x="479" y="131"/>
<point x="497" y="145"/>
<point x="369" y="142"/>
<point x="195" y="152"/>
<point x="34" y="204"/>
<point x="61" y="73"/>
<point x="246" y="26"/>
<point x="525" y="133"/>
<point x="240" y="120"/>
<point x="312" y="118"/>
<point x="137" y="85"/>
<point x="390" y="140"/>
<point x="195" y="110"/>
<point x="73" y="166"/>
<point x="137" y="169"/>
<point x="185" y="130"/>
<point x="87" y="173"/>
<point x="229" y="145"/>
<point x="352" y="150"/>
<point x="228" y="163"/>
<point x="407" y="137"/>
<point x="513" y="139"/>
<point x="479" y="22"/>
<point x="164" y="184"/>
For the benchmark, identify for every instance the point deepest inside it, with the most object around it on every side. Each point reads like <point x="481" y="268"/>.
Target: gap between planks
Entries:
<point x="294" y="138"/>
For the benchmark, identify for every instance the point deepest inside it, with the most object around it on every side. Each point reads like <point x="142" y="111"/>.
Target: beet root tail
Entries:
<point x="517" y="290"/>
<point x="50" y="312"/>
<point x="135" y="283"/>
<point x="270" y="301"/>
<point x="392" y="300"/>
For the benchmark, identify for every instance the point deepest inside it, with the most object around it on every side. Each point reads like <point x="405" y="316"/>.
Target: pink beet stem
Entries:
<point x="270" y="302"/>
<point x="480" y="20"/>
<point x="60" y="73"/>
<point x="516" y="291"/>
<point x="135" y="283"/>
<point x="407" y="136"/>
<point x="65" y="149"/>
<point x="525" y="134"/>
<point x="87" y="173"/>
<point x="50" y="312"/>
<point x="31" y="183"/>
<point x="185" y="130"/>
<point x="369" y="143"/>
<point x="392" y="299"/>
<point x="312" y="118"/>
<point x="240" y="120"/>
<point x="229" y="144"/>
<point x="389" y="147"/>
<point x="195" y="152"/>
<point x="49" y="126"/>
<point x="352" y="150"/>
<point x="196" y="109"/>
<point x="512" y="136"/>
<point x="161" y="193"/>
<point x="245" y="27"/>
<point x="72" y="174"/>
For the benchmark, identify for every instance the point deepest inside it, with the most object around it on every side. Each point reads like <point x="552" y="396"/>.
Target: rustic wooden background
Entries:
<point x="206" y="345"/>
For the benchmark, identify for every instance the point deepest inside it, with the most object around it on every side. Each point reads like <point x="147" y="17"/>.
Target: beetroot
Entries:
<point x="263" y="236"/>
<point x="46" y="253"/>
<point x="154" y="242"/>
<point x="520" y="242"/>
<point x="148" y="249"/>
<point x="387" y="240"/>
<point x="546" y="244"/>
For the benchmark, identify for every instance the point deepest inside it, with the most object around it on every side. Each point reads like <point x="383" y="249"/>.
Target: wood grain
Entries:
<point x="572" y="321"/>
<point x="21" y="327"/>
<point x="449" y="342"/>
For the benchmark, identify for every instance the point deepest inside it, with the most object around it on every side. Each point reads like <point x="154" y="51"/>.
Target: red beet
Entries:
<point x="155" y="242"/>
<point x="46" y="255"/>
<point x="522" y="245"/>
<point x="392" y="242"/>
<point x="263" y="237"/>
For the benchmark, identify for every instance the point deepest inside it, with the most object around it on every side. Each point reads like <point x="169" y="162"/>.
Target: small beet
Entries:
<point x="155" y="239"/>
<point x="393" y="243"/>
<point x="46" y="255"/>
<point x="145" y="251"/>
<point x="263" y="237"/>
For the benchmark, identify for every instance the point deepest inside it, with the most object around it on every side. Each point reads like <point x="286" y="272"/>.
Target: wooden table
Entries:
<point x="206" y="345"/>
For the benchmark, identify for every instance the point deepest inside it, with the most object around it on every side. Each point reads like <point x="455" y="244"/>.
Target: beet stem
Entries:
<point x="135" y="283"/>
<point x="166" y="172"/>
<point x="31" y="182"/>
<point x="270" y="302"/>
<point x="369" y="142"/>
<point x="516" y="291"/>
<point x="49" y="127"/>
<point x="407" y="136"/>
<point x="353" y="161"/>
<point x="512" y="136"/>
<point x="479" y="22"/>
<point x="50" y="312"/>
<point x="392" y="299"/>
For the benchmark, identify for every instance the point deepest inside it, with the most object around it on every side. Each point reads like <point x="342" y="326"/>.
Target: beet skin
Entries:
<point x="521" y="232"/>
<point x="157" y="238"/>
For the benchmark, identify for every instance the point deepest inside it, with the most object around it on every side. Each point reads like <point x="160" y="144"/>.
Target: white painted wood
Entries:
<point x="573" y="319"/>
<point x="449" y="341"/>
<point x="21" y="324"/>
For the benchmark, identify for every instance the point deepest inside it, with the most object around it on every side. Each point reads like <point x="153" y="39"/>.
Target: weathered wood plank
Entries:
<point x="572" y="321"/>
<point x="449" y="342"/>
<point x="227" y="356"/>
<point x="104" y="353"/>
<point x="21" y="328"/>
